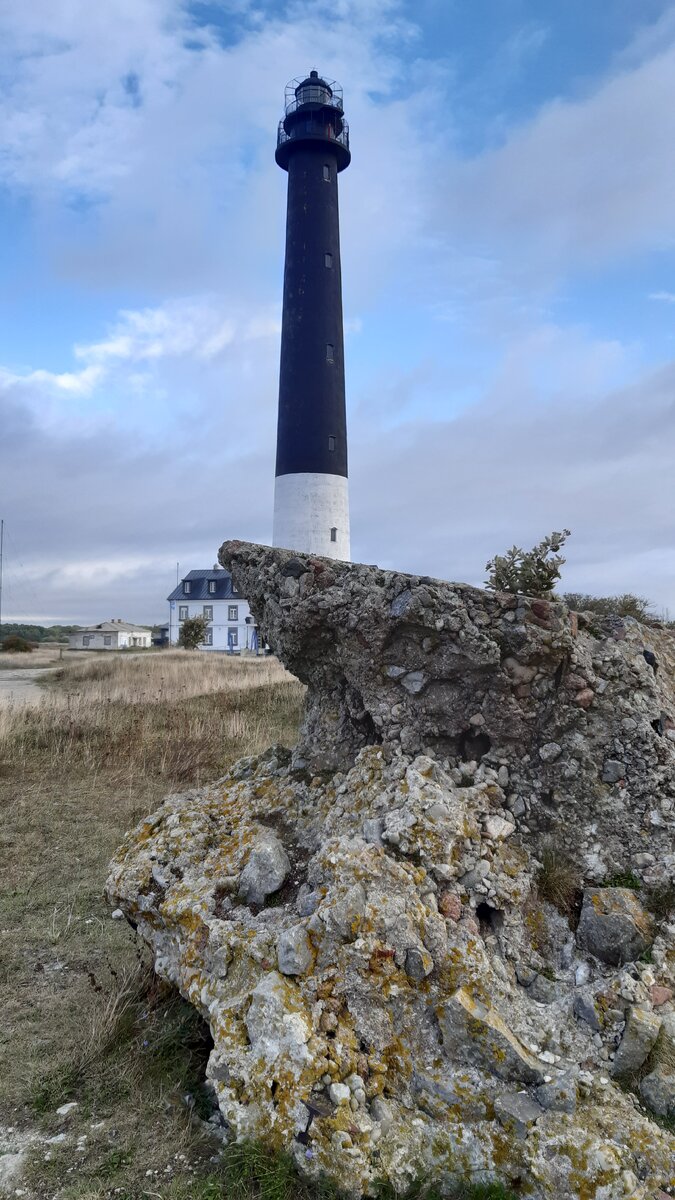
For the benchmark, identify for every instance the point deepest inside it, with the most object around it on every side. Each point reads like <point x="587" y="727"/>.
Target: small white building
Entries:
<point x="111" y="635"/>
<point x="212" y="594"/>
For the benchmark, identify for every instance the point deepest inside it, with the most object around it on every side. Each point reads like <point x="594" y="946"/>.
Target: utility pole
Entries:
<point x="2" y="540"/>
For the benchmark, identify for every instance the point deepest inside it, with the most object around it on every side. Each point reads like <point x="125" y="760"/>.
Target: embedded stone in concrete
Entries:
<point x="614" y="926"/>
<point x="613" y="771"/>
<point x="658" y="1092"/>
<point x="472" y="1032"/>
<point x="560" y="1095"/>
<point x="294" y="951"/>
<point x="267" y="867"/>
<point x="517" y="1113"/>
<point x="584" y="1010"/>
<point x="637" y="1043"/>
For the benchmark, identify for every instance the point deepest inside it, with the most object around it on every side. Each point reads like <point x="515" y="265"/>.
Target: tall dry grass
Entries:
<point x="45" y="655"/>
<point x="177" y="716"/>
<point x="81" y="1017"/>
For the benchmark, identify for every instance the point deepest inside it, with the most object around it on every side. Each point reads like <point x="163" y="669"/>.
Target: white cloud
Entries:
<point x="73" y="383"/>
<point x="583" y="182"/>
<point x="665" y="297"/>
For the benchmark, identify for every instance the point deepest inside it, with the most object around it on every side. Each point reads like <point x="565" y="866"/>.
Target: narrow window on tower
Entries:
<point x="331" y="442"/>
<point x="326" y="172"/>
<point x="333" y="534"/>
<point x="329" y="353"/>
<point x="327" y="259"/>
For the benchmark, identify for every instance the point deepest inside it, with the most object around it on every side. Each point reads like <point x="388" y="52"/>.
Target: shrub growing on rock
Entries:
<point x="626" y="605"/>
<point x="528" y="572"/>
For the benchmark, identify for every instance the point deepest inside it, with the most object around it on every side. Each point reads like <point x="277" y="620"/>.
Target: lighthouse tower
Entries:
<point x="311" y="504"/>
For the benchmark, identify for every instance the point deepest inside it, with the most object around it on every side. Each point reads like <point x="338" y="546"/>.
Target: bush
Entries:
<point x="16" y="645"/>
<point x="528" y="572"/>
<point x="626" y="605"/>
<point x="192" y="632"/>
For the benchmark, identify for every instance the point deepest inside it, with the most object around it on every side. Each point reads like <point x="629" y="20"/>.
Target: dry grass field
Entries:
<point x="83" y="1019"/>
<point x="47" y="655"/>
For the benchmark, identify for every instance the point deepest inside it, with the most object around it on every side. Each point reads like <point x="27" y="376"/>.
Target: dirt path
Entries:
<point x="21" y="686"/>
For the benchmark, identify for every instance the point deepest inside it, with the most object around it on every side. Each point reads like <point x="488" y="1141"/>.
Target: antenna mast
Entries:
<point x="2" y="539"/>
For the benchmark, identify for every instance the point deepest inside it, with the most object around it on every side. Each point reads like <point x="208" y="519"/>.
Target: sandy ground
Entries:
<point x="21" y="686"/>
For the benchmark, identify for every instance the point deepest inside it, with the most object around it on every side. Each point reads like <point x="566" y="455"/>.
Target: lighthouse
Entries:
<point x="311" y="503"/>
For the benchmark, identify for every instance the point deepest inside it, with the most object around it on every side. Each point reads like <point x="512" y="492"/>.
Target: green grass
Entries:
<point x="623" y="879"/>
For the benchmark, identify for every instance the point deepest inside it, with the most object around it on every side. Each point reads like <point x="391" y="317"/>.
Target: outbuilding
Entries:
<point x="111" y="635"/>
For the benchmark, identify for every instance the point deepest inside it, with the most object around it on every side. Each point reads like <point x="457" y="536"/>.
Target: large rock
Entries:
<point x="614" y="926"/>
<point x="361" y="922"/>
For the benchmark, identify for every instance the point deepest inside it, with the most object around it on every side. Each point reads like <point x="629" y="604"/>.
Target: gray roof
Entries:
<point x="199" y="589"/>
<point x="114" y="627"/>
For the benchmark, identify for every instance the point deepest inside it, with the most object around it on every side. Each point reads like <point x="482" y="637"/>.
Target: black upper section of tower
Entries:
<point x="312" y="426"/>
<point x="313" y="114"/>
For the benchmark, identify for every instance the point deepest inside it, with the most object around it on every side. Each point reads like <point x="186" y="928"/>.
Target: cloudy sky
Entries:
<point x="508" y="231"/>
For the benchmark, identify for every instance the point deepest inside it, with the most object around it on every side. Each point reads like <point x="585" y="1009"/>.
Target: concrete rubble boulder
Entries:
<point x="361" y="923"/>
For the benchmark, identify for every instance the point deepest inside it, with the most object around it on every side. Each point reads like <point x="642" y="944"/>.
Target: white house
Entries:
<point x="111" y="635"/>
<point x="212" y="594"/>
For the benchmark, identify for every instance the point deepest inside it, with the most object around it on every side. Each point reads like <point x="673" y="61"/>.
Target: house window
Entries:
<point x="212" y="587"/>
<point x="233" y="637"/>
<point x="331" y="442"/>
<point x="183" y="612"/>
<point x="233" y="612"/>
<point x="326" y="172"/>
<point x="329" y="353"/>
<point x="208" y="612"/>
<point x="86" y="639"/>
<point x="107" y="639"/>
<point x="187" y="587"/>
<point x="327" y="259"/>
<point x="333" y="534"/>
<point x="208" y="638"/>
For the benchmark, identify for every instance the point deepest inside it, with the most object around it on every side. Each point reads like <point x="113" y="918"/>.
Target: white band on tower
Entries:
<point x="311" y="514"/>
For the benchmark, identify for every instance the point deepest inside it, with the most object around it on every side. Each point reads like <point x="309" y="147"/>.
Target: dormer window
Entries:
<point x="212" y="587"/>
<point x="187" y="587"/>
